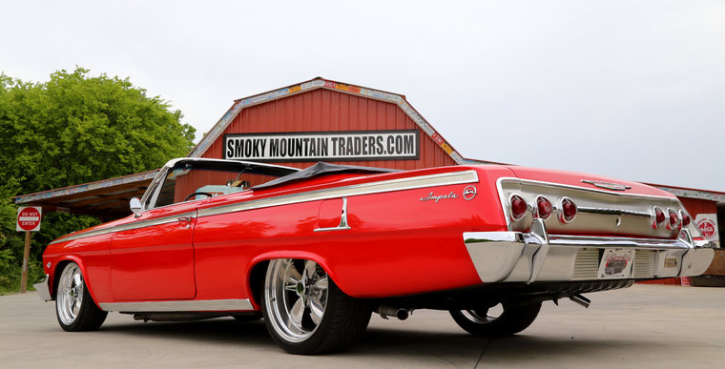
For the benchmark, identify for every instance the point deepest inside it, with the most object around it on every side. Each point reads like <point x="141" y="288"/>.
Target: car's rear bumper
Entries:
<point x="43" y="289"/>
<point x="536" y="256"/>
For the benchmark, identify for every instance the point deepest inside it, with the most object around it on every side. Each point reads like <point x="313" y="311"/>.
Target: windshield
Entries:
<point x="189" y="180"/>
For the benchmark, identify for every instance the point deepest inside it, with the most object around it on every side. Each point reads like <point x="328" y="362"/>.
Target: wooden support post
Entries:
<point x="26" y="257"/>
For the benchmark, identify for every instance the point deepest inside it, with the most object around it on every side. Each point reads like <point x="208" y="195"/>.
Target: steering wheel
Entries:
<point x="197" y="193"/>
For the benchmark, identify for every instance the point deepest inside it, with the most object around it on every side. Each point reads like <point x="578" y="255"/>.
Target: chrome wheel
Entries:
<point x="296" y="294"/>
<point x="70" y="294"/>
<point x="74" y="305"/>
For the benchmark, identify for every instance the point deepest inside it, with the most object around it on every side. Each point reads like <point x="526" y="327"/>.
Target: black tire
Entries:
<point x="343" y="320"/>
<point x="248" y="317"/>
<point x="514" y="319"/>
<point x="74" y="307"/>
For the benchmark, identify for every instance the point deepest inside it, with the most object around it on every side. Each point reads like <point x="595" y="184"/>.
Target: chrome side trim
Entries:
<point x="343" y="220"/>
<point x="175" y="306"/>
<point x="401" y="184"/>
<point x="43" y="289"/>
<point x="130" y="226"/>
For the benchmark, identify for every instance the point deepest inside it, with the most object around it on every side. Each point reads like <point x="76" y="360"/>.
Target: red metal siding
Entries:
<point x="696" y="206"/>
<point x="323" y="111"/>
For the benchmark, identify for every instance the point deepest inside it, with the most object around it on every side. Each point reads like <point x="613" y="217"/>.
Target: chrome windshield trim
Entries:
<point x="128" y="226"/>
<point x="174" y="306"/>
<point x="400" y="184"/>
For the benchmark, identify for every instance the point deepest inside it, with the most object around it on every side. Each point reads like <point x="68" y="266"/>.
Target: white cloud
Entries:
<point x="630" y="89"/>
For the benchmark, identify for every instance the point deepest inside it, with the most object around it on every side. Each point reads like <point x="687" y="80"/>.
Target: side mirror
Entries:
<point x="135" y="205"/>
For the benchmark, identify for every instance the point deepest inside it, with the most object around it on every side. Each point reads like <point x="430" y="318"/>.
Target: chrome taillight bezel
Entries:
<point x="541" y="199"/>
<point x="514" y="215"/>
<point x="656" y="224"/>
<point x="563" y="218"/>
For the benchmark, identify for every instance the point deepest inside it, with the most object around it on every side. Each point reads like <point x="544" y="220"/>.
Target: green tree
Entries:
<point x="75" y="129"/>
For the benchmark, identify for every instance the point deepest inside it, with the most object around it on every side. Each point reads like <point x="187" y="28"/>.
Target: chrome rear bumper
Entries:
<point x="43" y="289"/>
<point x="536" y="256"/>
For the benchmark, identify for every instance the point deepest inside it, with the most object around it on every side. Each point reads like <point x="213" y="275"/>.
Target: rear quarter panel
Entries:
<point x="398" y="243"/>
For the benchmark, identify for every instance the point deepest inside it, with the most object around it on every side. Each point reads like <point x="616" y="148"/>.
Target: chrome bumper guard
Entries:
<point x="43" y="289"/>
<point x="537" y="256"/>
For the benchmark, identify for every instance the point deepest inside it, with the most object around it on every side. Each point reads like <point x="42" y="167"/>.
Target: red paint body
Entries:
<point x="397" y="243"/>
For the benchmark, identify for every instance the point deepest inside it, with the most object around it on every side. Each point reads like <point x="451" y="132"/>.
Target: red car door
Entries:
<point x="152" y="257"/>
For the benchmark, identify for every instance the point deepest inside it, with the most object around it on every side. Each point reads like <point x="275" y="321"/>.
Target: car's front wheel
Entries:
<point x="74" y="306"/>
<point x="306" y="313"/>
<point x="496" y="321"/>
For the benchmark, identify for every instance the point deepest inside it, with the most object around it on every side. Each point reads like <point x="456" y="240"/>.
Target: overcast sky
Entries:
<point x="629" y="89"/>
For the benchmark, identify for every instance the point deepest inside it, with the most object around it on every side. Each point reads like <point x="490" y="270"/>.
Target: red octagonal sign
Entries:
<point x="28" y="218"/>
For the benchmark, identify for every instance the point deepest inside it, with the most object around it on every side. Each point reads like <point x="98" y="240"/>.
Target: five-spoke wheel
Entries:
<point x="74" y="305"/>
<point x="306" y="312"/>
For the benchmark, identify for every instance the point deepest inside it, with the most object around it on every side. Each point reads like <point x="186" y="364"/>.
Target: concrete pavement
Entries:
<point x="646" y="326"/>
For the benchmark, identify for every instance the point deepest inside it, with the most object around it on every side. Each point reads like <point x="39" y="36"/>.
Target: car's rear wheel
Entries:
<point x="306" y="313"/>
<point x="496" y="321"/>
<point x="74" y="306"/>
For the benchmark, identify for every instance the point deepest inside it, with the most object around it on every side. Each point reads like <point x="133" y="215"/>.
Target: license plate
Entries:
<point x="616" y="264"/>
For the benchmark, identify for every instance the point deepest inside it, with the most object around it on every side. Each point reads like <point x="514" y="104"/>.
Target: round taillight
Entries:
<point x="518" y="207"/>
<point x="568" y="210"/>
<point x="674" y="219"/>
<point x="686" y="220"/>
<point x="659" y="218"/>
<point x="543" y="205"/>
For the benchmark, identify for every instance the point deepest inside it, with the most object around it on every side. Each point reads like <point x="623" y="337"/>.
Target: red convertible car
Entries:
<point x="315" y="252"/>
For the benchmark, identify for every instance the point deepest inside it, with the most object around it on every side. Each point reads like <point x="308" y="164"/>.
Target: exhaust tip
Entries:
<point x="581" y="300"/>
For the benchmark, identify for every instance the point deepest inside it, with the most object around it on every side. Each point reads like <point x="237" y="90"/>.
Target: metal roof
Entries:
<point x="107" y="199"/>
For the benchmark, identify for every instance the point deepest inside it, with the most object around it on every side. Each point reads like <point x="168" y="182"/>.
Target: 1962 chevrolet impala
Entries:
<point x="316" y="251"/>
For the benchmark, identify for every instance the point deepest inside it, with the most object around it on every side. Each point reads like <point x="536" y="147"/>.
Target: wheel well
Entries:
<point x="56" y="277"/>
<point x="256" y="281"/>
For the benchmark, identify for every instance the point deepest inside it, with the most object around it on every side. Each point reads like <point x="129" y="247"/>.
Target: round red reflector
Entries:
<point x="686" y="220"/>
<point x="569" y="210"/>
<point x="518" y="207"/>
<point x="659" y="218"/>
<point x="544" y="207"/>
<point x="674" y="219"/>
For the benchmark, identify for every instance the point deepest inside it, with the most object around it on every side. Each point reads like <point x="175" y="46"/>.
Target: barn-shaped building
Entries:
<point x="323" y="120"/>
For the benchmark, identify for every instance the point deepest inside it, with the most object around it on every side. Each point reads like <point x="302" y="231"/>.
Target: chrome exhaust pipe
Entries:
<point x="581" y="300"/>
<point x="389" y="311"/>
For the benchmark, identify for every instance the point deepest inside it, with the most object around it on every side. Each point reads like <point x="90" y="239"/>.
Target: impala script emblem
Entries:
<point x="437" y="198"/>
<point x="468" y="194"/>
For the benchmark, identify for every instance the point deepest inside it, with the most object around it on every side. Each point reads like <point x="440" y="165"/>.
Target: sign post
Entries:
<point x="28" y="221"/>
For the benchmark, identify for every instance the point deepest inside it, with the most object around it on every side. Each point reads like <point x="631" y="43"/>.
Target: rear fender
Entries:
<point x="258" y="266"/>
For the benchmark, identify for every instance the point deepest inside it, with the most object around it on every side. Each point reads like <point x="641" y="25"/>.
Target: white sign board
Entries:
<point x="707" y="223"/>
<point x="28" y="218"/>
<point x="321" y="146"/>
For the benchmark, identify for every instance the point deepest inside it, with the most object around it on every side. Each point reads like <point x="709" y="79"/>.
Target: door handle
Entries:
<point x="185" y="220"/>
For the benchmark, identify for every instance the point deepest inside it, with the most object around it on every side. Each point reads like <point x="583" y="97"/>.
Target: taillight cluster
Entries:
<point x="671" y="220"/>
<point x="543" y="208"/>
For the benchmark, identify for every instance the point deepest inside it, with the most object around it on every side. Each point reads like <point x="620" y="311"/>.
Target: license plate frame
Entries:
<point x="616" y="264"/>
